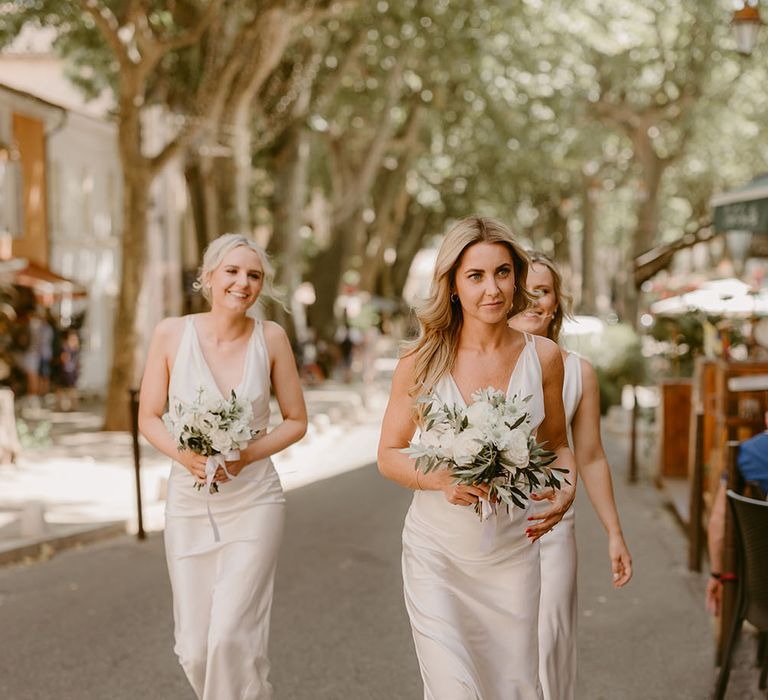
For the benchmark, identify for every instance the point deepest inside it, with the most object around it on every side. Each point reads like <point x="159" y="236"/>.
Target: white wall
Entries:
<point x="85" y="203"/>
<point x="84" y="223"/>
<point x="161" y="293"/>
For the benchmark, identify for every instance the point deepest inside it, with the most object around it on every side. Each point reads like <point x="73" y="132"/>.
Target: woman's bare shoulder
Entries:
<point x="273" y="330"/>
<point x="170" y="328"/>
<point x="588" y="374"/>
<point x="405" y="370"/>
<point x="276" y="338"/>
<point x="549" y="351"/>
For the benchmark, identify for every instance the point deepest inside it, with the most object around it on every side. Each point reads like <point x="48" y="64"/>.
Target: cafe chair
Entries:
<point x="750" y="519"/>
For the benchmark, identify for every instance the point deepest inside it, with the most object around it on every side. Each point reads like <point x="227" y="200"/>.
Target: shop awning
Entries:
<point x="47" y="283"/>
<point x="743" y="209"/>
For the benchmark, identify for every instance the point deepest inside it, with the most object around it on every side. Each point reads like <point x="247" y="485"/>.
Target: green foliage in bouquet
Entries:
<point x="490" y="443"/>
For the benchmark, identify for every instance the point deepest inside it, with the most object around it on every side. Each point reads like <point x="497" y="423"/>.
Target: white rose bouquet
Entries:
<point x="211" y="427"/>
<point x="489" y="442"/>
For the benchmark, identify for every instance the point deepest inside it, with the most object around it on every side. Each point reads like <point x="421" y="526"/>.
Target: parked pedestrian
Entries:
<point x="222" y="586"/>
<point x="752" y="463"/>
<point x="581" y="398"/>
<point x="474" y="610"/>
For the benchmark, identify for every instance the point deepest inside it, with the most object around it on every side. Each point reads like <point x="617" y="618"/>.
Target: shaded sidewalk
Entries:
<point x="653" y="638"/>
<point x="81" y="486"/>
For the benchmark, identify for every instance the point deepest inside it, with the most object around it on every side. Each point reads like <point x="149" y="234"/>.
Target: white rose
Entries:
<point x="516" y="450"/>
<point x="246" y="412"/>
<point x="431" y="438"/>
<point x="481" y="415"/>
<point x="465" y="446"/>
<point x="220" y="440"/>
<point x="203" y="421"/>
<point x="240" y="432"/>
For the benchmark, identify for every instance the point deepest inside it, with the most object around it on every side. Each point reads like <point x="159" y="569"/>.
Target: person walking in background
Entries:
<point x="752" y="463"/>
<point x="69" y="370"/>
<point x="346" y="346"/>
<point x="31" y="357"/>
<point x="581" y="398"/>
<point x="222" y="540"/>
<point x="474" y="610"/>
<point x="47" y="337"/>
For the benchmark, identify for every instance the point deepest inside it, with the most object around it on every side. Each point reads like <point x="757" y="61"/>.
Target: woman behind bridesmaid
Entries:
<point x="581" y="398"/>
<point x="221" y="547"/>
<point x="473" y="608"/>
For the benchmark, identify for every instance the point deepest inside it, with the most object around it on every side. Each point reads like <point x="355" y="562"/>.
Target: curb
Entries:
<point x="41" y="548"/>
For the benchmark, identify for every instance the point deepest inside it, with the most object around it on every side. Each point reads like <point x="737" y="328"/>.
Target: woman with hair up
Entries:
<point x="221" y="547"/>
<point x="473" y="608"/>
<point x="581" y="398"/>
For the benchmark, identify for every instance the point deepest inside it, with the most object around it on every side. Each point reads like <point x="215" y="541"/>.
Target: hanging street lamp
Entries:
<point x="746" y="24"/>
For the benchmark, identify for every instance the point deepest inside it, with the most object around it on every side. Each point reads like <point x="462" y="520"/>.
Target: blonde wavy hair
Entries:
<point x="440" y="317"/>
<point x="563" y="298"/>
<point x="217" y="251"/>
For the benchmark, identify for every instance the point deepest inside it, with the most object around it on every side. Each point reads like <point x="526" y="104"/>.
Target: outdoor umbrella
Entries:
<point x="726" y="297"/>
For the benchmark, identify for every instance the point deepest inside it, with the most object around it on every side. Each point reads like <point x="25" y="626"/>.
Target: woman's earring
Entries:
<point x="454" y="297"/>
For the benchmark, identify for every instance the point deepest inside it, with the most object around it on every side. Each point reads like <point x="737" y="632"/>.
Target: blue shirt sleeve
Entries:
<point x="753" y="460"/>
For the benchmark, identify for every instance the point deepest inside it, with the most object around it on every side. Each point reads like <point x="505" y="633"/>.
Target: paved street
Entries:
<point x="95" y="623"/>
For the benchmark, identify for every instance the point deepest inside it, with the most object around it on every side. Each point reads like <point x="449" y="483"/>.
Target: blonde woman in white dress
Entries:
<point x="473" y="609"/>
<point x="222" y="563"/>
<point x="581" y="398"/>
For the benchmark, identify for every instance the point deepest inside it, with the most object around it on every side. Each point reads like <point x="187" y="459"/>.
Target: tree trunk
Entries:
<point x="289" y="200"/>
<point x="136" y="183"/>
<point x="647" y="216"/>
<point x="416" y="228"/>
<point x="242" y="145"/>
<point x="196" y="192"/>
<point x="587" y="302"/>
<point x="326" y="274"/>
<point x="648" y="206"/>
<point x="557" y="226"/>
<point x="391" y="207"/>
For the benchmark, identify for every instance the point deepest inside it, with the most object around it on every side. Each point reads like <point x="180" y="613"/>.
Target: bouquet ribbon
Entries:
<point x="211" y="466"/>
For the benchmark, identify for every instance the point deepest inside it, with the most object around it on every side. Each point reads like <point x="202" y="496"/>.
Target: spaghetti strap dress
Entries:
<point x="557" y="611"/>
<point x="222" y="585"/>
<point x="474" y="609"/>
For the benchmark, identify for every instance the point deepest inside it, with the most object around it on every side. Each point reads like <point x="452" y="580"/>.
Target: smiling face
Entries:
<point x="236" y="282"/>
<point x="485" y="282"/>
<point x="541" y="286"/>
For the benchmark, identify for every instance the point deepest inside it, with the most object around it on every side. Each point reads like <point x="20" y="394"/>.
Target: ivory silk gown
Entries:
<point x="222" y="591"/>
<point x="474" y="613"/>
<point x="557" y="611"/>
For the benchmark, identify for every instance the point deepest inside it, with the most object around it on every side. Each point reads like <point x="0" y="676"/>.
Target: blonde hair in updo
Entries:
<point x="440" y="318"/>
<point x="218" y="250"/>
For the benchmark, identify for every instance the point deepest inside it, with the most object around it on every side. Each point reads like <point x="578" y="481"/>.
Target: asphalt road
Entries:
<point x="95" y="624"/>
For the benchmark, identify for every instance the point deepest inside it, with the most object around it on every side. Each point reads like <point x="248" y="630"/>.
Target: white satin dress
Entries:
<point x="222" y="591"/>
<point x="474" y="613"/>
<point x="557" y="612"/>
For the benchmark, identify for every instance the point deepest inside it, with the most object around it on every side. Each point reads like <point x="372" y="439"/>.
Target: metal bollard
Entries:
<point x="134" y="394"/>
<point x="633" y="439"/>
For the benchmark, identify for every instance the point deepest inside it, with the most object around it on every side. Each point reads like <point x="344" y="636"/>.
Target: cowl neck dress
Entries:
<point x="222" y="590"/>
<point x="474" y="609"/>
<point x="557" y="612"/>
